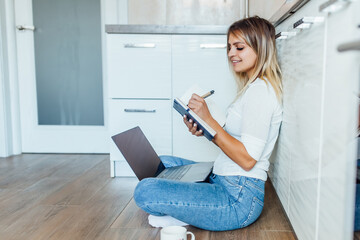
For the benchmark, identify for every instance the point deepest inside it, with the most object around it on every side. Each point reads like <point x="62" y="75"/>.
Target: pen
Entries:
<point x="208" y="94"/>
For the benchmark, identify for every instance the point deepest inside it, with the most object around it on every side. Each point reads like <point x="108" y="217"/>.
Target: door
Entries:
<point x="59" y="52"/>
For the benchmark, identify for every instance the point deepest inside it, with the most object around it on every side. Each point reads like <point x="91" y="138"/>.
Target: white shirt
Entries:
<point x="254" y="119"/>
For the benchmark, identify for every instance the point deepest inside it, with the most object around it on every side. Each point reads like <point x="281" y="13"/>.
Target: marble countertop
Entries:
<point x="166" y="29"/>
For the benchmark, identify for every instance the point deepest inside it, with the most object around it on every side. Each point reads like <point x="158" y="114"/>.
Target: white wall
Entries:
<point x="115" y="11"/>
<point x="264" y="9"/>
<point x="313" y="164"/>
<point x="186" y="12"/>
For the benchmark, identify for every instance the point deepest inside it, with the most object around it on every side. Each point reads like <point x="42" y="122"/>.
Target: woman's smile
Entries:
<point x="241" y="55"/>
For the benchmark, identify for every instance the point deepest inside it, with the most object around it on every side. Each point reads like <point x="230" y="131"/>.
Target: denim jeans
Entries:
<point x="223" y="203"/>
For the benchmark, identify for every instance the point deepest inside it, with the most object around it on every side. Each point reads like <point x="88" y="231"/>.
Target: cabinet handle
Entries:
<point x="306" y="22"/>
<point x="212" y="46"/>
<point x="23" y="28"/>
<point x="350" y="46"/>
<point x="139" y="110"/>
<point x="139" y="45"/>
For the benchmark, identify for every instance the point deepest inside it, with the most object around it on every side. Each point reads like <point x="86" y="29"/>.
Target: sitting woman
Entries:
<point x="233" y="197"/>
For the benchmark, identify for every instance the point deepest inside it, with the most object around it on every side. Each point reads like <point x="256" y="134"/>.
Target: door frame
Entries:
<point x="33" y="135"/>
<point x="112" y="12"/>
<point x="9" y="94"/>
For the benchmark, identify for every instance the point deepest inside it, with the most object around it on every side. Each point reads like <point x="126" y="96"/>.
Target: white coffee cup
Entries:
<point x="175" y="233"/>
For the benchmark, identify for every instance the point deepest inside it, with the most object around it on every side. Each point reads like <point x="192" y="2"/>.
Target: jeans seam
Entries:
<point x="239" y="186"/>
<point x="250" y="213"/>
<point x="186" y="205"/>
<point x="255" y="187"/>
<point x="231" y="183"/>
<point x="260" y="202"/>
<point x="255" y="199"/>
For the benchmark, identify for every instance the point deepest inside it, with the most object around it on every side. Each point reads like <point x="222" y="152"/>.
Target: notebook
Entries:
<point x="180" y="105"/>
<point x="145" y="162"/>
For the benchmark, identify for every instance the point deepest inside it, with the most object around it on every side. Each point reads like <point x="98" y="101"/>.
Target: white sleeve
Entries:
<point x="256" y="114"/>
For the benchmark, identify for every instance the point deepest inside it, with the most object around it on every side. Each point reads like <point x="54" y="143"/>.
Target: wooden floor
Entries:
<point x="70" y="197"/>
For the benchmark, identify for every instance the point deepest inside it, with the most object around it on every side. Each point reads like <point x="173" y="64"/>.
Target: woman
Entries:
<point x="234" y="196"/>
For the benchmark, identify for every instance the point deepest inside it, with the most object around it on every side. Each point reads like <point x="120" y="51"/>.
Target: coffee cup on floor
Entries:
<point x="175" y="233"/>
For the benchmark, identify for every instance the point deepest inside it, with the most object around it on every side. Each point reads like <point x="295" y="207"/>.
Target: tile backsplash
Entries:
<point x="184" y="12"/>
<point x="193" y="12"/>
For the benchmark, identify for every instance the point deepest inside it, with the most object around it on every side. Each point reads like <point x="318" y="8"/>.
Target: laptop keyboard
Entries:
<point x="175" y="173"/>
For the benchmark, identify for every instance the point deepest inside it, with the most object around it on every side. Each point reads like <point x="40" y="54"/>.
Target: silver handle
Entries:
<point x="212" y="45"/>
<point x="285" y="35"/>
<point x="23" y="28"/>
<point x="306" y="22"/>
<point x="139" y="110"/>
<point x="139" y="45"/>
<point x="350" y="46"/>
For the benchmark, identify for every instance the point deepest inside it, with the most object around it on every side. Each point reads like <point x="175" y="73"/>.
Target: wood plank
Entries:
<point x="276" y="235"/>
<point x="39" y="222"/>
<point x="19" y="162"/>
<point x="78" y="164"/>
<point x="15" y="207"/>
<point x="132" y="217"/>
<point x="96" y="216"/>
<point x="356" y="235"/>
<point x="32" y="174"/>
<point x="199" y="233"/>
<point x="131" y="234"/>
<point x="6" y="194"/>
<point x="55" y="165"/>
<point x="80" y="190"/>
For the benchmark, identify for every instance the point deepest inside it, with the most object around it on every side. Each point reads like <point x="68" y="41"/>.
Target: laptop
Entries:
<point x="145" y="162"/>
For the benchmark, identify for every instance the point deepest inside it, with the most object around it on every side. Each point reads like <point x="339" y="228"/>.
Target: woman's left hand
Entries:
<point x="192" y="127"/>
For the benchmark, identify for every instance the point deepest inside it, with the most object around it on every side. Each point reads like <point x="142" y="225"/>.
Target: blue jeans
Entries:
<point x="223" y="203"/>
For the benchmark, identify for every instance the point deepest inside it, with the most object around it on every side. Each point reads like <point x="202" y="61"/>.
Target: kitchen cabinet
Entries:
<point x="139" y="66"/>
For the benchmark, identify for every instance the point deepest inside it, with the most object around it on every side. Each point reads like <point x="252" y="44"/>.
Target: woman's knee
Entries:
<point x="146" y="195"/>
<point x="142" y="193"/>
<point x="167" y="160"/>
<point x="171" y="161"/>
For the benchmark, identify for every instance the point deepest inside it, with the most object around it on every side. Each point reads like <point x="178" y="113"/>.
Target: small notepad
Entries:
<point x="180" y="104"/>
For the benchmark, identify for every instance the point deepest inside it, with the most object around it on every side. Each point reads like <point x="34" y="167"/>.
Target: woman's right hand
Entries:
<point x="192" y="127"/>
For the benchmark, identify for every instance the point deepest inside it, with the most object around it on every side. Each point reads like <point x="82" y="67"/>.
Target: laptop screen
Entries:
<point x="138" y="152"/>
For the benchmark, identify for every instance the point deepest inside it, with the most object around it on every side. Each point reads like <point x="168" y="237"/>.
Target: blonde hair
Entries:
<point x="259" y="34"/>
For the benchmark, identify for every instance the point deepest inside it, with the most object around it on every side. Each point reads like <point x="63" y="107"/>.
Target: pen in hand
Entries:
<point x="208" y="94"/>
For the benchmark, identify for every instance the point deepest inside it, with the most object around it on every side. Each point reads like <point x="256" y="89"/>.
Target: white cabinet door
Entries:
<point x="139" y="66"/>
<point x="60" y="77"/>
<point x="199" y="60"/>
<point x="154" y="119"/>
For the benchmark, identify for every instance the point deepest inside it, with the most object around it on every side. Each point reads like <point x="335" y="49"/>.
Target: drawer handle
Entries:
<point x="212" y="46"/>
<point x="139" y="45"/>
<point x="350" y="46"/>
<point x="139" y="110"/>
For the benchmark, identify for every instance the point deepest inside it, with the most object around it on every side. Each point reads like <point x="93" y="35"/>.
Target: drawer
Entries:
<point x="139" y="66"/>
<point x="152" y="116"/>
